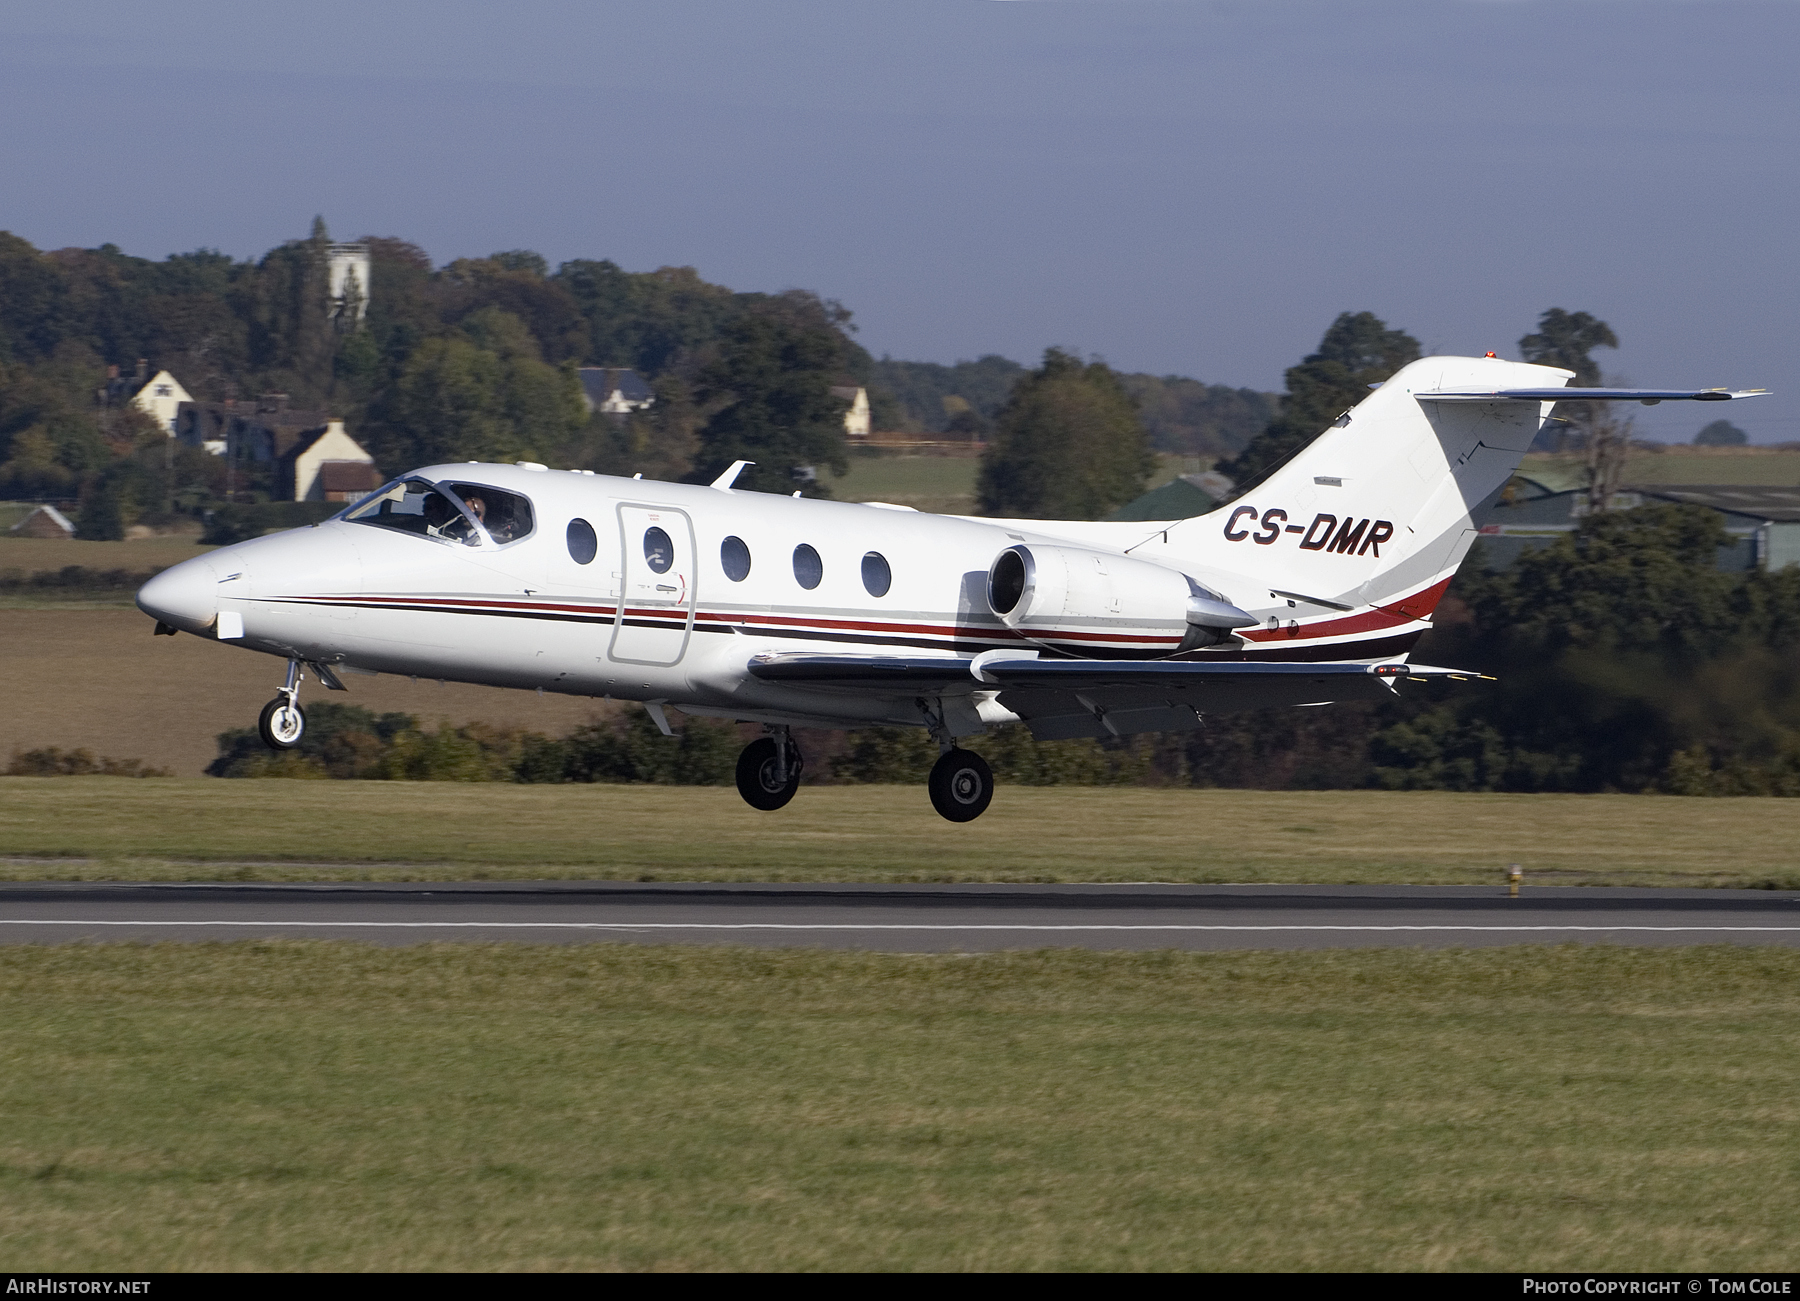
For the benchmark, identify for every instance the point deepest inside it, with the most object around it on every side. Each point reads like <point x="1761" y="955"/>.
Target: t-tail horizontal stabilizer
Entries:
<point x="1648" y="396"/>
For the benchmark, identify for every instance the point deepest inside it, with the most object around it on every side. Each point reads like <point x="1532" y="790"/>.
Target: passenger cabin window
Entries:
<point x="734" y="555"/>
<point x="876" y="575"/>
<point x="809" y="570"/>
<point x="584" y="545"/>
<point x="659" y="551"/>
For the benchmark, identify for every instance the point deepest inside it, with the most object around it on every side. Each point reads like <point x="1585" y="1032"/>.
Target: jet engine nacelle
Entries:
<point x="1089" y="602"/>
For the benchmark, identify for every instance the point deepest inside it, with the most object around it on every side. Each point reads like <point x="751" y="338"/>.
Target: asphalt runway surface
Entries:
<point x="897" y="918"/>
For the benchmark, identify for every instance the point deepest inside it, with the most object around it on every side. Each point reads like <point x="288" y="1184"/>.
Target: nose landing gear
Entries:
<point x="768" y="771"/>
<point x="283" y="722"/>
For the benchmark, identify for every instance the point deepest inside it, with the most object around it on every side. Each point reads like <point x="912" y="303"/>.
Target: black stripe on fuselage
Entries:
<point x="1375" y="649"/>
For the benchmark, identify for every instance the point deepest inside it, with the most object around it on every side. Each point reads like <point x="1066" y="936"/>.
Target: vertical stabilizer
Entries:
<point x="1356" y="538"/>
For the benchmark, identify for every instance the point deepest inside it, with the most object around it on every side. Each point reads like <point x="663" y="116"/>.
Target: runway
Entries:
<point x="896" y="918"/>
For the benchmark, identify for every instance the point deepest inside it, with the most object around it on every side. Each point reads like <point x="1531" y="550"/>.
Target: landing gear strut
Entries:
<point x="283" y="722"/>
<point x="768" y="771"/>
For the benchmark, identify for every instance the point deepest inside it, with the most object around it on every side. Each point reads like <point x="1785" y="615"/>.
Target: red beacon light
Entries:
<point x="1489" y="354"/>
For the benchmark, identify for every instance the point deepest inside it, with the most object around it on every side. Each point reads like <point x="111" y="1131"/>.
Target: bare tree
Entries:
<point x="1605" y="443"/>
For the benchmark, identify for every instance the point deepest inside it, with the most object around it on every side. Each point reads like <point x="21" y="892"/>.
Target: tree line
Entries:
<point x="477" y="359"/>
<point x="348" y="742"/>
<point x="473" y="360"/>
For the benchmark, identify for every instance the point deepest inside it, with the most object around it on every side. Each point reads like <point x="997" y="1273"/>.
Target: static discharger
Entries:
<point x="1513" y="877"/>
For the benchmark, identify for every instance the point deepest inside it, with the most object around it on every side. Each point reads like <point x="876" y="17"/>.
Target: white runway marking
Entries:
<point x="873" y="926"/>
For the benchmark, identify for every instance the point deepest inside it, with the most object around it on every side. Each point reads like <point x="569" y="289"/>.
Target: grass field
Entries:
<point x="1753" y="466"/>
<point x="35" y="554"/>
<point x="147" y="829"/>
<point x="947" y="484"/>
<point x="944" y="484"/>
<point x="315" y="1106"/>
<point x="97" y="678"/>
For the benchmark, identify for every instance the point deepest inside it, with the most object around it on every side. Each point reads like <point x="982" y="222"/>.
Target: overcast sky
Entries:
<point x="1183" y="186"/>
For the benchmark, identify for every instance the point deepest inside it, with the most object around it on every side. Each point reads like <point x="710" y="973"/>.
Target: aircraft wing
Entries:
<point x="1648" y="396"/>
<point x="1069" y="698"/>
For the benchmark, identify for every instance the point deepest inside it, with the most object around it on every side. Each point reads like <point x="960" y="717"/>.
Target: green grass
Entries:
<point x="62" y="598"/>
<point x="942" y="484"/>
<point x="291" y="830"/>
<point x="293" y="1106"/>
<point x="28" y="556"/>
<point x="1750" y="466"/>
<point x="36" y="554"/>
<point x="946" y="484"/>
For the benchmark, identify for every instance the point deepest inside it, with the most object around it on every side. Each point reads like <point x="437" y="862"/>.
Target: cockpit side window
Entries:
<point x="505" y="515"/>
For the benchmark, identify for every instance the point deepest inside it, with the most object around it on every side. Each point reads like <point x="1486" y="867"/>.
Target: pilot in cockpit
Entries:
<point x="496" y="516"/>
<point x="496" y="519"/>
<point x="443" y="520"/>
<point x="502" y="521"/>
<point x="501" y="515"/>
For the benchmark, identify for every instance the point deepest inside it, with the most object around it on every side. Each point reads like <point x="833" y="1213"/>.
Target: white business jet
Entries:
<point x="1311" y="588"/>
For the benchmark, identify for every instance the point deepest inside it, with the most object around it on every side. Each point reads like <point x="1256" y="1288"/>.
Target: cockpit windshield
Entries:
<point x="459" y="513"/>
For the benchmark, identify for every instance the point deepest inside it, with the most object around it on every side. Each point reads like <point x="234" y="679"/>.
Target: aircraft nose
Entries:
<point x="184" y="596"/>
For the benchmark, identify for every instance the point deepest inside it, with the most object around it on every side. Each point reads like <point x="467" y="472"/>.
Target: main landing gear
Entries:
<point x="283" y="722"/>
<point x="961" y="784"/>
<point x="768" y="771"/>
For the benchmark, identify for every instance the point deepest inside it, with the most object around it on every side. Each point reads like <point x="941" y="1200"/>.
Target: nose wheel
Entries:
<point x="768" y="771"/>
<point x="282" y="722"/>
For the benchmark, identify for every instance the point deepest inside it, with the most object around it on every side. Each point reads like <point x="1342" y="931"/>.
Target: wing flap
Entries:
<point x="1072" y="675"/>
<point x="1062" y="699"/>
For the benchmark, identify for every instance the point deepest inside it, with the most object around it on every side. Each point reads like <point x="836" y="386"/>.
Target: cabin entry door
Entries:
<point x="656" y="593"/>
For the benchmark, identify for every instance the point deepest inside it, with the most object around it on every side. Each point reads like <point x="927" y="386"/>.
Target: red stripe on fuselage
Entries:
<point x="1410" y="609"/>
<point x="1396" y="614"/>
<point x="742" y="620"/>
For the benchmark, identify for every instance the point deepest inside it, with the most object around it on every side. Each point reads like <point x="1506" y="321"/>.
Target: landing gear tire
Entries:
<point x="962" y="785"/>
<point x="759" y="775"/>
<point x="282" y="724"/>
